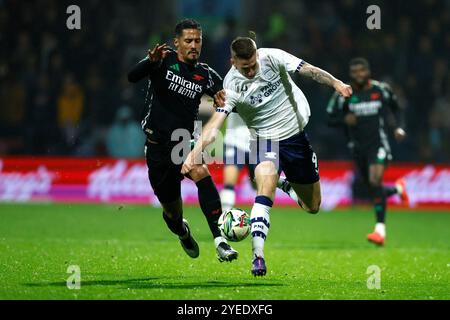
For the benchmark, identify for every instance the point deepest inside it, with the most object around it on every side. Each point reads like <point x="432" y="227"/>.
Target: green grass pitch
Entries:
<point x="128" y="253"/>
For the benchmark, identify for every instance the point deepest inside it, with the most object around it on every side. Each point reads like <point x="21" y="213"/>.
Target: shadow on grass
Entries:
<point x="157" y="283"/>
<point x="90" y="283"/>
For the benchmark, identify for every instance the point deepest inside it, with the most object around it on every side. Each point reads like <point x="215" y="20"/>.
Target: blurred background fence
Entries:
<point x="64" y="92"/>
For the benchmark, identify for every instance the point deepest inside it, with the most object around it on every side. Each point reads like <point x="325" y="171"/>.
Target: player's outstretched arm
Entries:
<point x="208" y="136"/>
<point x="324" y="77"/>
<point x="145" y="66"/>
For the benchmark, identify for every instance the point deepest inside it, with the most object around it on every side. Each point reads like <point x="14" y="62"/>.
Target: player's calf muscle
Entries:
<point x="310" y="196"/>
<point x="312" y="206"/>
<point x="315" y="207"/>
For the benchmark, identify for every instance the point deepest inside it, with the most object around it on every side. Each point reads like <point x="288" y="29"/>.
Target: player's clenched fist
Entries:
<point x="399" y="134"/>
<point x="158" y="53"/>
<point x="219" y="98"/>
<point x="344" y="89"/>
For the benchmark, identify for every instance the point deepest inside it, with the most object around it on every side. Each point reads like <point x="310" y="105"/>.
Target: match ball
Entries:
<point x="234" y="224"/>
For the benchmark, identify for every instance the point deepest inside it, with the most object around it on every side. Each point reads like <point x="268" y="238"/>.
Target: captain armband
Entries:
<point x="302" y="63"/>
<point x="223" y="111"/>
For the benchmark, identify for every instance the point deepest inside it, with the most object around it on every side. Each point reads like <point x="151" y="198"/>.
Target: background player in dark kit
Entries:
<point x="365" y="115"/>
<point x="177" y="81"/>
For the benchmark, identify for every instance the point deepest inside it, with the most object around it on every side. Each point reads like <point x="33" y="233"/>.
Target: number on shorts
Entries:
<point x="314" y="160"/>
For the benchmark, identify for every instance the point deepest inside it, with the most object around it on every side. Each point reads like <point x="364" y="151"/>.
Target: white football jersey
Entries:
<point x="271" y="104"/>
<point x="237" y="134"/>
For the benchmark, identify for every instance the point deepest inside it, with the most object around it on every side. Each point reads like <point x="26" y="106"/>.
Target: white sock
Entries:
<point x="260" y="228"/>
<point x="219" y="240"/>
<point x="282" y="181"/>
<point x="228" y="198"/>
<point x="381" y="229"/>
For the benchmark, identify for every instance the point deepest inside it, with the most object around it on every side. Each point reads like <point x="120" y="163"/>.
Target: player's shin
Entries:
<point x="379" y="199"/>
<point x="260" y="221"/>
<point x="209" y="200"/>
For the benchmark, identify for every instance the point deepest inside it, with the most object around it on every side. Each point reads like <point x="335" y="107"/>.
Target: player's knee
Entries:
<point x="374" y="182"/>
<point x="199" y="172"/>
<point x="266" y="168"/>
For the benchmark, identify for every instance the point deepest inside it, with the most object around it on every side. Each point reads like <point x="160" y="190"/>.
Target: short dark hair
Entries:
<point x="186" y="24"/>
<point x="243" y="47"/>
<point x="359" y="61"/>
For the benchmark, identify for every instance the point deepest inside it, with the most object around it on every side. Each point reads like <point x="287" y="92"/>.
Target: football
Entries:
<point x="234" y="224"/>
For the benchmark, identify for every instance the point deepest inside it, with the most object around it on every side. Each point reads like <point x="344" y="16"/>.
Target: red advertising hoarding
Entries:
<point x="125" y="181"/>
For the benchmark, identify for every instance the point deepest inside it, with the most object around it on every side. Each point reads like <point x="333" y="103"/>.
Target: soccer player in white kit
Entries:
<point x="259" y="87"/>
<point x="236" y="157"/>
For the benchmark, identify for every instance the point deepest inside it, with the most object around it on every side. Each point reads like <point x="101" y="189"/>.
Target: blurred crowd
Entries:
<point x="65" y="92"/>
